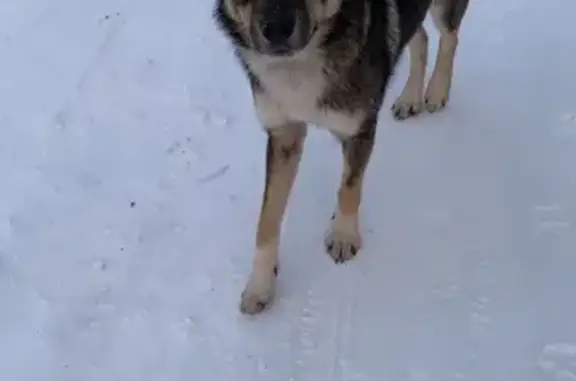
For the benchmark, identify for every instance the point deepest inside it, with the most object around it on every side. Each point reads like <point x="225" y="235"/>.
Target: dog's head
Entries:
<point x="274" y="27"/>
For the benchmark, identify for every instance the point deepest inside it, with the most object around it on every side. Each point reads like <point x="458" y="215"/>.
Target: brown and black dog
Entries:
<point x="328" y="63"/>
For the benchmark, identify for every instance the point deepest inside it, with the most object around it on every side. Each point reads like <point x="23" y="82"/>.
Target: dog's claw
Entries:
<point x="252" y="304"/>
<point x="435" y="106"/>
<point x="341" y="246"/>
<point x="259" y="291"/>
<point x="406" y="109"/>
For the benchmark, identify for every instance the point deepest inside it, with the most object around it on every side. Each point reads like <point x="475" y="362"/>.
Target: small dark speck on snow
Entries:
<point x="132" y="204"/>
<point x="214" y="175"/>
<point x="109" y="16"/>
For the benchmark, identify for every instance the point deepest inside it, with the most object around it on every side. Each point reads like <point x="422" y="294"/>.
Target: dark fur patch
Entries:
<point x="411" y="14"/>
<point x="252" y="78"/>
<point x="227" y="25"/>
<point x="269" y="166"/>
<point x="359" y="73"/>
<point x="232" y="30"/>
<point x="356" y="72"/>
<point x="273" y="150"/>
<point x="289" y="151"/>
<point x="455" y="14"/>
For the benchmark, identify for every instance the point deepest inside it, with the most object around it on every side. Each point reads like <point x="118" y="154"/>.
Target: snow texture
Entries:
<point x="132" y="168"/>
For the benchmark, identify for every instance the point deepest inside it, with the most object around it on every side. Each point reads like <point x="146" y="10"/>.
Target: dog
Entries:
<point x="328" y="63"/>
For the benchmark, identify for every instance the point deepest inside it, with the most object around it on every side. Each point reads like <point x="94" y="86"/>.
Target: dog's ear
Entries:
<point x="239" y="10"/>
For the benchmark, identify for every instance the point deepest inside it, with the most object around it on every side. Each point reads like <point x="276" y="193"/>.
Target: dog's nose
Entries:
<point x="279" y="26"/>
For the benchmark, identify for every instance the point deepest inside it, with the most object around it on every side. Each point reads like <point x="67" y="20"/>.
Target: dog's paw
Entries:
<point x="406" y="107"/>
<point x="435" y="104"/>
<point x="437" y="95"/>
<point x="259" y="292"/>
<point x="341" y="245"/>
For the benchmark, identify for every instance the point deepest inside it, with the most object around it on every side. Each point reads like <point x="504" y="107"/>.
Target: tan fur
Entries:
<point x="323" y="11"/>
<point x="438" y="91"/>
<point x="286" y="145"/>
<point x="344" y="232"/>
<point x="349" y="197"/>
<point x="240" y="11"/>
<point x="411" y="101"/>
<point x="284" y="166"/>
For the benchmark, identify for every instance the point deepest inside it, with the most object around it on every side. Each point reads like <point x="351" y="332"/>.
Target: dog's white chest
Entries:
<point x="291" y="93"/>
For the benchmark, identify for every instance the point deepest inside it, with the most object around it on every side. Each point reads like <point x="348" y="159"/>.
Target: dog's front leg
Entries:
<point x="283" y="154"/>
<point x="410" y="103"/>
<point x="344" y="240"/>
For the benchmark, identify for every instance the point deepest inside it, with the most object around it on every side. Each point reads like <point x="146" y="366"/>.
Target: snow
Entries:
<point x="132" y="169"/>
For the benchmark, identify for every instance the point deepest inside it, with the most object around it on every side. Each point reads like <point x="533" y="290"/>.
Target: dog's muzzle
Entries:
<point x="278" y="26"/>
<point x="283" y="26"/>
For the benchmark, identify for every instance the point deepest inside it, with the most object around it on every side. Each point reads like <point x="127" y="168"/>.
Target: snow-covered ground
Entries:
<point x="131" y="172"/>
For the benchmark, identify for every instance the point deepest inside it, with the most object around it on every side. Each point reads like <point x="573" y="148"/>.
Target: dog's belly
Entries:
<point x="293" y="96"/>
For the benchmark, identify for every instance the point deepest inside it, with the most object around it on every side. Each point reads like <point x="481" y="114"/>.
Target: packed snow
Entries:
<point x="132" y="167"/>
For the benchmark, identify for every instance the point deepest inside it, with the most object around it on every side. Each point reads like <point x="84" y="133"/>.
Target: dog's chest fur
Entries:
<point x="292" y="91"/>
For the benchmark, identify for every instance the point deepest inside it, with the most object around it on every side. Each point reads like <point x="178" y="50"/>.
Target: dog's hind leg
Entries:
<point x="411" y="100"/>
<point x="447" y="15"/>
<point x="283" y="154"/>
<point x="343" y="240"/>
